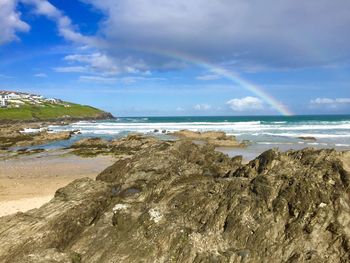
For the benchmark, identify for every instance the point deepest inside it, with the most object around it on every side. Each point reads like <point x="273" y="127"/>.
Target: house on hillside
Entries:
<point x="52" y="100"/>
<point x="25" y="95"/>
<point x="4" y="94"/>
<point x="37" y="97"/>
<point x="13" y="96"/>
<point x="3" y="100"/>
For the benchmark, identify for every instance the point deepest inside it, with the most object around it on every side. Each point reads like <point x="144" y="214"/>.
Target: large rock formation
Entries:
<point x="215" y="138"/>
<point x="180" y="202"/>
<point x="22" y="140"/>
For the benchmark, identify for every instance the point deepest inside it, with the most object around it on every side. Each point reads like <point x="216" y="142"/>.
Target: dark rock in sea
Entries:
<point x="163" y="131"/>
<point x="307" y="138"/>
<point x="156" y="131"/>
<point x="181" y="202"/>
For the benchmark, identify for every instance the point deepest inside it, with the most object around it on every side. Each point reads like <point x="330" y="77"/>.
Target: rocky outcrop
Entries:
<point x="44" y="137"/>
<point x="134" y="142"/>
<point x="181" y="202"/>
<point x="215" y="138"/>
<point x="12" y="135"/>
<point x="125" y="146"/>
<point x="95" y="142"/>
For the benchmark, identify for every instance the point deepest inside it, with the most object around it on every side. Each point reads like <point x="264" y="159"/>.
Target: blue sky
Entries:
<point x="155" y="57"/>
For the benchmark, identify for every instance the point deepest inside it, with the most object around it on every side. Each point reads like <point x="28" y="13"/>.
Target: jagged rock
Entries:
<point x="91" y="143"/>
<point x="124" y="146"/>
<point x="134" y="142"/>
<point x="90" y="147"/>
<point x="215" y="138"/>
<point x="181" y="202"/>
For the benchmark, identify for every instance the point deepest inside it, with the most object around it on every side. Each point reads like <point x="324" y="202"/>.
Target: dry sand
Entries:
<point x="29" y="181"/>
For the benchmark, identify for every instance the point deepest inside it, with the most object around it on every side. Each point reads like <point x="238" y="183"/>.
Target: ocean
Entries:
<point x="264" y="132"/>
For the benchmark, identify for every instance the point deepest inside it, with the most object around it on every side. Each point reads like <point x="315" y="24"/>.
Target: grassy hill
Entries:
<point x="50" y="111"/>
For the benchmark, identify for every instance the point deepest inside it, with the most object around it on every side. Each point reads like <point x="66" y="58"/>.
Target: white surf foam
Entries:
<point x="319" y="130"/>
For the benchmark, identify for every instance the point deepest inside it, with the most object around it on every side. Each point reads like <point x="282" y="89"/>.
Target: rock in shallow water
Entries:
<point x="307" y="138"/>
<point x="180" y="202"/>
<point x="215" y="138"/>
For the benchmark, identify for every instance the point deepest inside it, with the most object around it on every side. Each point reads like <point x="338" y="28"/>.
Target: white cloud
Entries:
<point x="101" y="64"/>
<point x="322" y="101"/>
<point x="74" y="69"/>
<point x="133" y="79"/>
<point x="64" y="24"/>
<point x="40" y="75"/>
<point x="245" y="104"/>
<point x="255" y="34"/>
<point x="329" y="102"/>
<point x="180" y="109"/>
<point x="5" y="76"/>
<point x="202" y="107"/>
<point x="97" y="62"/>
<point x="137" y="35"/>
<point x="10" y="21"/>
<point x="343" y="100"/>
<point x="209" y="77"/>
<point x="97" y="79"/>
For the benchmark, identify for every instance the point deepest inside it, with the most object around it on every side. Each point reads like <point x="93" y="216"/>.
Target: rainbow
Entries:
<point x="228" y="74"/>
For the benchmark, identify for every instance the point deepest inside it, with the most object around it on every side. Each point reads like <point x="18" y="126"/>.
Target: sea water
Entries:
<point x="264" y="132"/>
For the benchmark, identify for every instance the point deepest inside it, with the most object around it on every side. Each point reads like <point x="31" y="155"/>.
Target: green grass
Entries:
<point x="49" y="112"/>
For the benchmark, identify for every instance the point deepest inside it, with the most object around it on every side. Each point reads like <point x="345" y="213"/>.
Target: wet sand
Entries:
<point x="29" y="181"/>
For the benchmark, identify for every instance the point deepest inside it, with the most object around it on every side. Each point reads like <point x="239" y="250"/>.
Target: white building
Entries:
<point x="13" y="96"/>
<point x="38" y="97"/>
<point x="25" y="96"/>
<point x="3" y="101"/>
<point x="51" y="100"/>
<point x="4" y="95"/>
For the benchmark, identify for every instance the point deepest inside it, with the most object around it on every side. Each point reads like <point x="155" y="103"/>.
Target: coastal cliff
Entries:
<point x="181" y="202"/>
<point x="24" y="107"/>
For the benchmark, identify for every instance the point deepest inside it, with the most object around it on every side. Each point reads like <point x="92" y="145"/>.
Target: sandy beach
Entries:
<point x="28" y="182"/>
